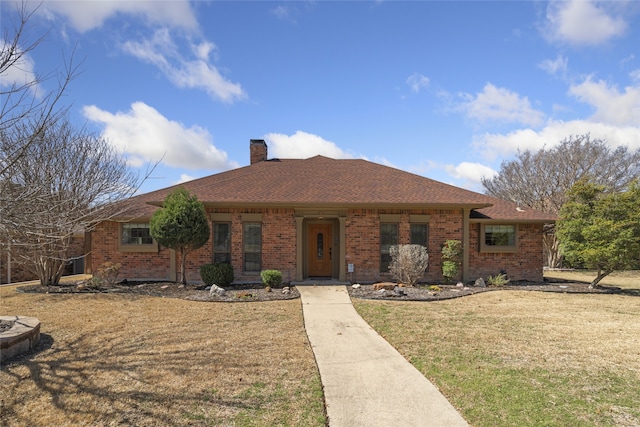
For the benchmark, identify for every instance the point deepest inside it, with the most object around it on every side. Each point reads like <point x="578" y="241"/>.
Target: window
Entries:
<point x="498" y="238"/>
<point x="135" y="237"/>
<point x="420" y="235"/>
<point x="388" y="238"/>
<point x="222" y="242"/>
<point x="252" y="246"/>
<point x="136" y="234"/>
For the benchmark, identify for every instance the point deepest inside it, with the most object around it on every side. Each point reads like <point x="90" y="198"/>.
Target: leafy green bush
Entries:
<point x="497" y="280"/>
<point x="271" y="278"/>
<point x="218" y="273"/>
<point x="451" y="259"/>
<point x="449" y="270"/>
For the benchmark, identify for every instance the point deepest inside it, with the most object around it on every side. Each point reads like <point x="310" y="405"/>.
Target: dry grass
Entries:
<point x="112" y="359"/>
<point x="524" y="358"/>
<point x="624" y="279"/>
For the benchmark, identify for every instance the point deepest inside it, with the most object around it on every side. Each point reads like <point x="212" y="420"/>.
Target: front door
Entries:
<point x="320" y="239"/>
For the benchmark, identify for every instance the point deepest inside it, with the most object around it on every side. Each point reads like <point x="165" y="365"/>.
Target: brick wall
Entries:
<point x="525" y="264"/>
<point x="144" y="265"/>
<point x="363" y="239"/>
<point x="362" y="247"/>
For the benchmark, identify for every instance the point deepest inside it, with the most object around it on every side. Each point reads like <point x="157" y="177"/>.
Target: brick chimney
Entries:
<point x="258" y="150"/>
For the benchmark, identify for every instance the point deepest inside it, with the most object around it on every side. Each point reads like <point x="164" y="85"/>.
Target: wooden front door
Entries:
<point x="320" y="250"/>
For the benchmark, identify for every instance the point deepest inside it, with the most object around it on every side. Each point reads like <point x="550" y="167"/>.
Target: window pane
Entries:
<point x="221" y="257"/>
<point x="252" y="237"/>
<point x="252" y="262"/>
<point x="136" y="234"/>
<point x="385" y="260"/>
<point x="500" y="235"/>
<point x="221" y="237"/>
<point x="420" y="234"/>
<point x="252" y="243"/>
<point x="388" y="238"/>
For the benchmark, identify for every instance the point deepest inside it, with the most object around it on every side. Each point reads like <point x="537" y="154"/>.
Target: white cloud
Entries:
<point x="494" y="146"/>
<point x="612" y="106"/>
<point x="87" y="15"/>
<point x="20" y="73"/>
<point x="501" y="104"/>
<point x="302" y="145"/>
<point x="144" y="135"/>
<point x="471" y="173"/>
<point x="184" y="178"/>
<point x="555" y="66"/>
<point x="635" y="75"/>
<point x="162" y="51"/>
<point x="417" y="81"/>
<point x="582" y="22"/>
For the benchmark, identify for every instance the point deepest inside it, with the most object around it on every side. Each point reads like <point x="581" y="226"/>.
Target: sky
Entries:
<point x="445" y="89"/>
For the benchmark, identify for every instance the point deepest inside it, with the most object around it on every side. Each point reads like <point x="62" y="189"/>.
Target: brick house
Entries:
<point x="328" y="218"/>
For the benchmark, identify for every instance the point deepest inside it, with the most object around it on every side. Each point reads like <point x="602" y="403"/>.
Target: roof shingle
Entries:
<point x="322" y="181"/>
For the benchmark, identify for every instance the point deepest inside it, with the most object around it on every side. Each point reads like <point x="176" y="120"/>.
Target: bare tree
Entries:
<point x="541" y="180"/>
<point x="55" y="179"/>
<point x="23" y="99"/>
<point x="66" y="181"/>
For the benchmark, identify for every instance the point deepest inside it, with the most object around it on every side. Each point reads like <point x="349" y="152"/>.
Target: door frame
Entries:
<point x="337" y="218"/>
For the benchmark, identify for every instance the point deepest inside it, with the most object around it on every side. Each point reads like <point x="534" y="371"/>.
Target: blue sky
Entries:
<point x="447" y="90"/>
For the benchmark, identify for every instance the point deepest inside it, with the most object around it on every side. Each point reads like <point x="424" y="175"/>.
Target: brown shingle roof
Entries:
<point x="321" y="181"/>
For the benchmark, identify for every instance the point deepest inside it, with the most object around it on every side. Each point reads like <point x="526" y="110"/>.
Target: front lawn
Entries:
<point x="110" y="359"/>
<point x="624" y="279"/>
<point x="521" y="358"/>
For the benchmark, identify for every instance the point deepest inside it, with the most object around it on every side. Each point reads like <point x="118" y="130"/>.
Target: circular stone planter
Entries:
<point x="23" y="336"/>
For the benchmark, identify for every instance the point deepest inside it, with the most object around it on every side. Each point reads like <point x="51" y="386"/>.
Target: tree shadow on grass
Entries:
<point x="118" y="382"/>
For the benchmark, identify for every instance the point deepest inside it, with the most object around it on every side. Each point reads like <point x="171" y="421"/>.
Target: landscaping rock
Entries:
<point x="355" y="285"/>
<point x="480" y="283"/>
<point x="384" y="286"/>
<point x="286" y="290"/>
<point x="216" y="290"/>
<point x="399" y="291"/>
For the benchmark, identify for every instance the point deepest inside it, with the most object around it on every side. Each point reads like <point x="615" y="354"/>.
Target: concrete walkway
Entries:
<point x="366" y="381"/>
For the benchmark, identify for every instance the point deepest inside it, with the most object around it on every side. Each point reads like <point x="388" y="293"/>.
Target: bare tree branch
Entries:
<point x="541" y="180"/>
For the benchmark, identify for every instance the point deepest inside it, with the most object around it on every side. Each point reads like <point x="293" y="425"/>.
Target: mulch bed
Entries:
<point x="236" y="293"/>
<point x="257" y="292"/>
<point x="424" y="293"/>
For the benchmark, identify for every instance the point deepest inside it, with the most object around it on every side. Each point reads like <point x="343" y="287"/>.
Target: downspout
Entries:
<point x="465" y="244"/>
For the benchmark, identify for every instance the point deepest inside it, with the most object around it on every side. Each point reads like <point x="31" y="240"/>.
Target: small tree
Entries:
<point x="451" y="253"/>
<point x="408" y="263"/>
<point x="601" y="229"/>
<point x="181" y="224"/>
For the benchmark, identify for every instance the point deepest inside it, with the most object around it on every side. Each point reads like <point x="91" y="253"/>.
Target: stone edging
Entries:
<point x="23" y="336"/>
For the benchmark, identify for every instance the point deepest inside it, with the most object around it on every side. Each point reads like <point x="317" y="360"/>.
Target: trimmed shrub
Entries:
<point x="271" y="278"/>
<point x="218" y="273"/>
